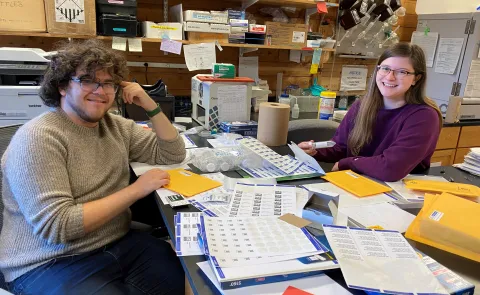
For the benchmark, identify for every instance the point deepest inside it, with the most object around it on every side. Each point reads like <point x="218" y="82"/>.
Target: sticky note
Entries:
<point x="119" y="43"/>
<point x="295" y="291"/>
<point x="314" y="69"/>
<point x="322" y="7"/>
<point x="135" y="44"/>
<point x="171" y="46"/>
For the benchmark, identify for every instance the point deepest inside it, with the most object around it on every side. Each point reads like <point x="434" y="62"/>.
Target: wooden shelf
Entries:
<point x="293" y="3"/>
<point x="150" y="40"/>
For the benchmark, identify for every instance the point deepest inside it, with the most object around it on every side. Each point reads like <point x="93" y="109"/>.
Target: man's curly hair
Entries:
<point x="89" y="56"/>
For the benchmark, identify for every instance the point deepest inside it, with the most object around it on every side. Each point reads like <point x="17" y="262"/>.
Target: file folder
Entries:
<point x="459" y="189"/>
<point x="356" y="184"/>
<point x="449" y="223"/>
<point x="188" y="183"/>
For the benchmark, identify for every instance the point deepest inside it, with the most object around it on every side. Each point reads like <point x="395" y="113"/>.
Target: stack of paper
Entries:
<point x="186" y="234"/>
<point x="380" y="261"/>
<point x="449" y="223"/>
<point x="410" y="197"/>
<point x="258" y="250"/>
<point x="471" y="162"/>
<point x="318" y="284"/>
<point x="277" y="166"/>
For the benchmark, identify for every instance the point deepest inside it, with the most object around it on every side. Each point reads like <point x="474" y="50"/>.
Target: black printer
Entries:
<point x="117" y="18"/>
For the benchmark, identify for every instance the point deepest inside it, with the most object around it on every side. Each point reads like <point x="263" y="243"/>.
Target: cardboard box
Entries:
<point x="291" y="35"/>
<point x="173" y="31"/>
<point x="68" y="18"/>
<point x="206" y="28"/>
<point x="207" y="37"/>
<point x="217" y="17"/>
<point x="23" y="16"/>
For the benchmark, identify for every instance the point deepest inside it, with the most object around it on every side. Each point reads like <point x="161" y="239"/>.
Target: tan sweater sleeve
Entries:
<point x="36" y="172"/>
<point x="145" y="147"/>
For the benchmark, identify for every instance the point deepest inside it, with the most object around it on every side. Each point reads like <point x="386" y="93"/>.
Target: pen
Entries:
<point x="323" y="144"/>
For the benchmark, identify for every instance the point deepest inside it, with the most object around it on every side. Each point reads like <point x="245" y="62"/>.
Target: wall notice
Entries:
<point x="353" y="78"/>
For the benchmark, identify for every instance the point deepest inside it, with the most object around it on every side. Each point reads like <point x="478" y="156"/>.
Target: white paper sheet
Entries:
<point x="232" y="103"/>
<point x="135" y="44"/>
<point x="380" y="261"/>
<point x="408" y="194"/>
<point x="188" y="142"/>
<point x="385" y="215"/>
<point x="304" y="157"/>
<point x="284" y="163"/>
<point x="256" y="236"/>
<point x="164" y="193"/>
<point x="119" y="43"/>
<point x="186" y="231"/>
<point x="449" y="50"/>
<point x="346" y="199"/>
<point x="472" y="88"/>
<point x="248" y="67"/>
<point x="200" y="56"/>
<point x="295" y="56"/>
<point x="171" y="46"/>
<point x="353" y="78"/>
<point x="263" y="200"/>
<point x="428" y="43"/>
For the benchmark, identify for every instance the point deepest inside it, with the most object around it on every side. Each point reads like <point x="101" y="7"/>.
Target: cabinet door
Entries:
<point x="460" y="155"/>
<point x="452" y="25"/>
<point x="443" y="158"/>
<point x="469" y="137"/>
<point x="448" y="138"/>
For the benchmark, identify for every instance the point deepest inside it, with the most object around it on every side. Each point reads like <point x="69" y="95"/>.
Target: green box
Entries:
<point x="226" y="71"/>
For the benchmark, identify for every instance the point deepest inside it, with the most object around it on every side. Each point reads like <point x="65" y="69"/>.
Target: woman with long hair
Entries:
<point x="393" y="130"/>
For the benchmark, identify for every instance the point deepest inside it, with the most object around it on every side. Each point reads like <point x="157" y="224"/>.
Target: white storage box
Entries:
<point x="216" y="17"/>
<point x="173" y="31"/>
<point x="206" y="28"/>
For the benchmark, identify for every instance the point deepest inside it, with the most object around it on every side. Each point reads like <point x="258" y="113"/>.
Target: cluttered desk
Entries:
<point x="245" y="233"/>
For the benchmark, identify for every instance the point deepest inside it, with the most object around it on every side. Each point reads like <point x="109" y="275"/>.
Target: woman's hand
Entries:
<point x="335" y="167"/>
<point x="307" y="147"/>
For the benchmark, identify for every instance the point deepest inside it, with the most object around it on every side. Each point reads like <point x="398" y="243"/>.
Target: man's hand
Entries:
<point x="307" y="147"/>
<point x="335" y="167"/>
<point x="134" y="93"/>
<point x="151" y="181"/>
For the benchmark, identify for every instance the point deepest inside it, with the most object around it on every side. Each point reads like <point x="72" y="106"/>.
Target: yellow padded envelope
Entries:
<point x="188" y="183"/>
<point x="356" y="184"/>
<point x="449" y="223"/>
<point x="459" y="189"/>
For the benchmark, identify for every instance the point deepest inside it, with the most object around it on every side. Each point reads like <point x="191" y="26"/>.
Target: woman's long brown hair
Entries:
<point x="372" y="102"/>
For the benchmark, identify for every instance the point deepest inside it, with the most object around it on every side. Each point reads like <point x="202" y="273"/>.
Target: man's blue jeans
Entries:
<point x="136" y="264"/>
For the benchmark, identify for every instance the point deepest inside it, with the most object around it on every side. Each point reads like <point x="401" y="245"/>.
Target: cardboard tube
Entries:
<point x="273" y="123"/>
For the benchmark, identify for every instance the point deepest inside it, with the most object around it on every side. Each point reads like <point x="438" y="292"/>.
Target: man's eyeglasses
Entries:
<point x="400" y="74"/>
<point x="89" y="85"/>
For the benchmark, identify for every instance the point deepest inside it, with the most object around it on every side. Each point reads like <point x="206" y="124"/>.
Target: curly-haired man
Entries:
<point x="66" y="185"/>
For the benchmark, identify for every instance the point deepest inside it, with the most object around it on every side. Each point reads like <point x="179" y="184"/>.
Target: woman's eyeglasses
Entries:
<point x="400" y="74"/>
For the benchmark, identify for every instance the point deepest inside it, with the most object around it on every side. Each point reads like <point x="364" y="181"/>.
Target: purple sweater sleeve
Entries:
<point x="339" y="151"/>
<point x="415" y="141"/>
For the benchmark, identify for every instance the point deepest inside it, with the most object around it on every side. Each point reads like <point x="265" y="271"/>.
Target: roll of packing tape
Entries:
<point x="273" y="123"/>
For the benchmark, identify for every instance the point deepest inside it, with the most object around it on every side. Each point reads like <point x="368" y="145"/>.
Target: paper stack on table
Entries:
<point x="186" y="234"/>
<point x="247" y="251"/>
<point x="471" y="162"/>
<point x="380" y="261"/>
<point x="277" y="166"/>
